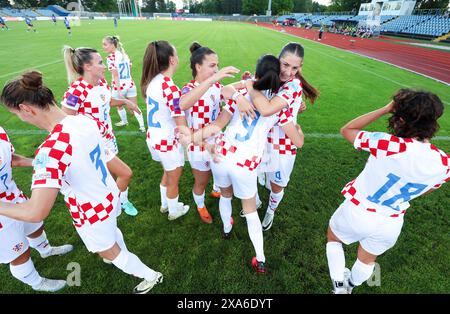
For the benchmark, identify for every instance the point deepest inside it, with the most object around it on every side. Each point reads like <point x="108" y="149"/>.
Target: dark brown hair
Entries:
<point x="198" y="54"/>
<point x="309" y="91"/>
<point x="267" y="74"/>
<point x="156" y="60"/>
<point x="29" y="89"/>
<point x="415" y="114"/>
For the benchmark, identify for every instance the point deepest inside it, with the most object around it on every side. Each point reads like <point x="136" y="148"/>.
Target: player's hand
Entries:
<point x="184" y="139"/>
<point x="131" y="106"/>
<point x="246" y="75"/>
<point x="211" y="148"/>
<point x="302" y="107"/>
<point x="389" y="107"/>
<point x="225" y="72"/>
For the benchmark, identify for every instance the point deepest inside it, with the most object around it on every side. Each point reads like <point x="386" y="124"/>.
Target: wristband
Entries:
<point x="235" y="95"/>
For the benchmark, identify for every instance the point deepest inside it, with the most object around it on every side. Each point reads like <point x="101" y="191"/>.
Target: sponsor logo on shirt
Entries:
<point x="72" y="100"/>
<point x="40" y="161"/>
<point x="293" y="86"/>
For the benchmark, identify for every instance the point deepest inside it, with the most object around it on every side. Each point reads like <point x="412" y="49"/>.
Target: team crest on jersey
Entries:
<point x="18" y="247"/>
<point x="40" y="161"/>
<point x="103" y="97"/>
<point x="185" y="90"/>
<point x="213" y="98"/>
<point x="176" y="103"/>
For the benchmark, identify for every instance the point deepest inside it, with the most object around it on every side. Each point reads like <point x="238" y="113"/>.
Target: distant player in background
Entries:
<point x="54" y="19"/>
<point x="3" y="24"/>
<point x="67" y="24"/>
<point x="119" y="65"/>
<point x="30" y="25"/>
<point x="200" y="99"/>
<point x="402" y="166"/>
<point x="16" y="237"/>
<point x="115" y="22"/>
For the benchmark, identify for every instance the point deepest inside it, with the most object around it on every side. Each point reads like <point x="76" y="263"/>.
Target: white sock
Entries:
<point x="163" y="193"/>
<point x="131" y="264"/>
<point x="26" y="273"/>
<point x="256" y="235"/>
<point x="140" y="119"/>
<point x="258" y="200"/>
<point x="361" y="272"/>
<point x="40" y="243"/>
<point x="336" y="260"/>
<point x="124" y="196"/>
<point x="225" y="213"/>
<point x="274" y="200"/>
<point x="215" y="187"/>
<point x="173" y="205"/>
<point x="123" y="115"/>
<point x="120" y="241"/>
<point x="199" y="199"/>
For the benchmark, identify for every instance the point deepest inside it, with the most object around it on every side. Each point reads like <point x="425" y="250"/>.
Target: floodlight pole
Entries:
<point x="269" y="8"/>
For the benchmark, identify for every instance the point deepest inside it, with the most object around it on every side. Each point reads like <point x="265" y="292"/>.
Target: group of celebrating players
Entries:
<point x="240" y="133"/>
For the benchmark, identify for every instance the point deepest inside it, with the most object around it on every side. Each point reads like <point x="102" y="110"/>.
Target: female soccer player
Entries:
<point x="119" y="65"/>
<point x="67" y="24"/>
<point x="3" y="24"/>
<point x="17" y="236"/>
<point x="402" y="166"/>
<point x="165" y="118"/>
<point x="200" y="99"/>
<point x="241" y="148"/>
<point x="71" y="160"/>
<point x="89" y="93"/>
<point x="280" y="147"/>
<point x="30" y="25"/>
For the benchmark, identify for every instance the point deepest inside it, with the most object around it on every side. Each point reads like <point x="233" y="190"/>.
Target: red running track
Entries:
<point x="428" y="62"/>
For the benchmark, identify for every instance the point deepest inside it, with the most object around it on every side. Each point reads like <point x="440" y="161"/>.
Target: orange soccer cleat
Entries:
<point x="204" y="215"/>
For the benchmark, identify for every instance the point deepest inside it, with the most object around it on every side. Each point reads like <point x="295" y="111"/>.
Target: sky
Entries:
<point x="179" y="3"/>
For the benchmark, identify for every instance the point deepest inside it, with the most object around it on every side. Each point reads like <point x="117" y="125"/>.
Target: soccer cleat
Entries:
<point x="347" y="281"/>
<point x="121" y="123"/>
<point x="145" y="286"/>
<point x="50" y="285"/>
<point x="339" y="287"/>
<point x="58" y="250"/>
<point x="182" y="210"/>
<point x="204" y="215"/>
<point x="260" y="267"/>
<point x="165" y="209"/>
<point x="267" y="221"/>
<point x="129" y="208"/>
<point x="107" y="261"/>
<point x="142" y="129"/>
<point x="227" y="235"/>
<point x="215" y="194"/>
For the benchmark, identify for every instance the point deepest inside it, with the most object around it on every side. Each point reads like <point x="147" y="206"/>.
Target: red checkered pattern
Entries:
<point x="172" y="94"/>
<point x="201" y="111"/>
<point x="59" y="150"/>
<point x="88" y="212"/>
<point x="251" y="163"/>
<point x="230" y="106"/>
<point x="111" y="61"/>
<point x="387" y="145"/>
<point x="222" y="147"/>
<point x="446" y="162"/>
<point x="165" y="146"/>
<point x="349" y="190"/>
<point x="289" y="94"/>
<point x="4" y="137"/>
<point x="79" y="88"/>
<point x="282" y="143"/>
<point x="373" y="210"/>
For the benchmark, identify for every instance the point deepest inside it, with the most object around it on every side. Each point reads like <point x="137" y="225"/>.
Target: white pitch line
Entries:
<point x="31" y="67"/>
<point x="140" y="134"/>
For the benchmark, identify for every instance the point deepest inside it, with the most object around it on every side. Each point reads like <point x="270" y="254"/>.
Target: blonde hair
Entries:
<point x="75" y="59"/>
<point x="115" y="40"/>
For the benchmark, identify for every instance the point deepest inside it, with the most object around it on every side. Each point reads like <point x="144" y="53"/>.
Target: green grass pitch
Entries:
<point x="192" y="255"/>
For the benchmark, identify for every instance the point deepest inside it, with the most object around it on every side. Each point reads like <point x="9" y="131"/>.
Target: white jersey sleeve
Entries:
<point x="52" y="159"/>
<point x="75" y="95"/>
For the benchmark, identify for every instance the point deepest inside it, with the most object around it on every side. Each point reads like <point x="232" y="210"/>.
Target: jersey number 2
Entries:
<point x="151" y="112"/>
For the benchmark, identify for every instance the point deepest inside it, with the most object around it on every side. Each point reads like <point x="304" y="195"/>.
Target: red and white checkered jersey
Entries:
<point x="291" y="92"/>
<point x="397" y="171"/>
<point x="204" y="111"/>
<point x="122" y="64"/>
<point x="9" y="192"/>
<point x="163" y="104"/>
<point x="72" y="159"/>
<point x="84" y="98"/>
<point x="246" y="139"/>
